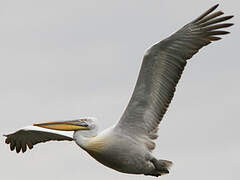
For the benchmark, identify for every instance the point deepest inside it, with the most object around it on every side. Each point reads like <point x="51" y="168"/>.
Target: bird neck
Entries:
<point x="82" y="137"/>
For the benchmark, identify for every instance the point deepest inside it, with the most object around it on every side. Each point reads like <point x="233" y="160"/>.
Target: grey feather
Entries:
<point x="161" y="70"/>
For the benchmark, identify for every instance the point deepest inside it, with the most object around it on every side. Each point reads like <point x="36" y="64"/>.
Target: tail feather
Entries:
<point x="164" y="166"/>
<point x="165" y="163"/>
<point x="161" y="167"/>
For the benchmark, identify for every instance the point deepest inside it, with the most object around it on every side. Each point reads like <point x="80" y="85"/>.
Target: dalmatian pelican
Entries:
<point x="127" y="146"/>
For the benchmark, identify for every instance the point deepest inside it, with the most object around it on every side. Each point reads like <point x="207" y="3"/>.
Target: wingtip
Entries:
<point x="226" y="25"/>
<point x="23" y="150"/>
<point x="214" y="7"/>
<point x="6" y="140"/>
<point x="210" y="10"/>
<point x="214" y="38"/>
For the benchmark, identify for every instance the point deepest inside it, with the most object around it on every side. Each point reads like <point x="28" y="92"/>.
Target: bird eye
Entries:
<point x="83" y="124"/>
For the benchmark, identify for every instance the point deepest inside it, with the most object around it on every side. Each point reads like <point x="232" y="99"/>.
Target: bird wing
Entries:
<point x="31" y="135"/>
<point x="161" y="70"/>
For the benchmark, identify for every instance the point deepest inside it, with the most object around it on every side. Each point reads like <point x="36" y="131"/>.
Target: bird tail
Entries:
<point x="165" y="166"/>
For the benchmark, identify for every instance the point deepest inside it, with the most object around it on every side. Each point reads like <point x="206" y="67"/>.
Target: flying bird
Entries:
<point x="127" y="146"/>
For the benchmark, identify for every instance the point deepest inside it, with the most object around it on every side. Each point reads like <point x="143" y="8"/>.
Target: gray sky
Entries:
<point x="67" y="59"/>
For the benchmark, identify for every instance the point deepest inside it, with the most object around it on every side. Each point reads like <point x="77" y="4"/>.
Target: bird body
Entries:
<point x="127" y="146"/>
<point x="107" y="148"/>
<point x="118" y="151"/>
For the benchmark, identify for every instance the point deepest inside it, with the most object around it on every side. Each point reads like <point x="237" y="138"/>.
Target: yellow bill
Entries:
<point x="64" y="125"/>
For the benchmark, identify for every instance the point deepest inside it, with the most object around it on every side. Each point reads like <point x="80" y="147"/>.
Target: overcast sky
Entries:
<point x="62" y="60"/>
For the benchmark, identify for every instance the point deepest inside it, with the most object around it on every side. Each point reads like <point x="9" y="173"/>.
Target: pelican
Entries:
<point x="127" y="146"/>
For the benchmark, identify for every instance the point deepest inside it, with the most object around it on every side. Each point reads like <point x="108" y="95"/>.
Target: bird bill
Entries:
<point x="63" y="126"/>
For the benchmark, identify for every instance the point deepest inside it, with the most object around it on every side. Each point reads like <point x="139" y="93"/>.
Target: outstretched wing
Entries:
<point x="31" y="135"/>
<point x="161" y="70"/>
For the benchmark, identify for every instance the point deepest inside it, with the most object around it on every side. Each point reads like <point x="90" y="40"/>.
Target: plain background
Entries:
<point x="62" y="60"/>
